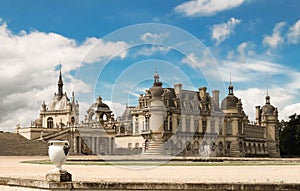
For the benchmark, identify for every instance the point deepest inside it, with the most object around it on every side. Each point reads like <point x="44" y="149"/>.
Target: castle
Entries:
<point x="166" y="121"/>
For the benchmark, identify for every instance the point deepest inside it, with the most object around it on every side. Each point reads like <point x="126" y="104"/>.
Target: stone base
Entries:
<point x="59" y="176"/>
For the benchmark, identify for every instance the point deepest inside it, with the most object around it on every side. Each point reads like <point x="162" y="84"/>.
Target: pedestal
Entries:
<point x="59" y="176"/>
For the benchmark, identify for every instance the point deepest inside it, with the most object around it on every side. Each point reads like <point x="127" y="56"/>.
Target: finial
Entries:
<point x="230" y="87"/>
<point x="156" y="76"/>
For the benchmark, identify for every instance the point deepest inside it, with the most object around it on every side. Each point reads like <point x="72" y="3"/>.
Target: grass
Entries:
<point x="169" y="163"/>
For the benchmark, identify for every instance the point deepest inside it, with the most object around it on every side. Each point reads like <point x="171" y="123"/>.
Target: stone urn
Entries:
<point x="58" y="151"/>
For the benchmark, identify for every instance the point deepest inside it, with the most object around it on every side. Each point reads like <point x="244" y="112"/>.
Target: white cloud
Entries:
<point x="195" y="62"/>
<point x="274" y="40"/>
<point x="27" y="70"/>
<point x="117" y="108"/>
<point x="221" y="32"/>
<point x="280" y="98"/>
<point x="206" y="7"/>
<point x="290" y="110"/>
<point x="293" y="35"/>
<point x="154" y="37"/>
<point x="248" y="70"/>
<point x="149" y="50"/>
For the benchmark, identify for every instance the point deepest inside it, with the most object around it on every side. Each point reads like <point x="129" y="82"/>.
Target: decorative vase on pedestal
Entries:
<point x="58" y="151"/>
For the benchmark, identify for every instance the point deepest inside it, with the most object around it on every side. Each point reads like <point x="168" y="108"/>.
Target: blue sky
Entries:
<point x="106" y="48"/>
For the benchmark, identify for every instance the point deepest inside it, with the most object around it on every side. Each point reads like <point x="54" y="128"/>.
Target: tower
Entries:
<point x="157" y="109"/>
<point x="269" y="119"/>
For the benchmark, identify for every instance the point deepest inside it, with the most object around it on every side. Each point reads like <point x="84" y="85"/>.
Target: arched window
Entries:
<point x="188" y="146"/>
<point x="73" y="120"/>
<point x="50" y="122"/>
<point x="220" y="146"/>
<point x="104" y="117"/>
<point x="213" y="146"/>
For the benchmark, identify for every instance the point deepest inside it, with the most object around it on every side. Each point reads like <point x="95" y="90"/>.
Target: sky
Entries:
<point x="113" y="48"/>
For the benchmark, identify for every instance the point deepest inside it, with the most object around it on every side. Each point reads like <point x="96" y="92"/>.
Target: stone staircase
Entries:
<point x="13" y="144"/>
<point x="234" y="150"/>
<point x="156" y="147"/>
<point x="62" y="134"/>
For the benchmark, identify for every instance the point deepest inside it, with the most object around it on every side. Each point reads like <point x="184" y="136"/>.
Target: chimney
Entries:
<point x="177" y="88"/>
<point x="257" y="115"/>
<point x="202" y="92"/>
<point x="215" y="96"/>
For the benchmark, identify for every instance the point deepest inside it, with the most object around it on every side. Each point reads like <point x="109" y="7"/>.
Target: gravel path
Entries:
<point x="11" y="167"/>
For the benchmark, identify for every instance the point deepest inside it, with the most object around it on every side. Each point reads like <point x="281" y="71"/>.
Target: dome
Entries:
<point x="268" y="109"/>
<point x="100" y="105"/>
<point x="229" y="102"/>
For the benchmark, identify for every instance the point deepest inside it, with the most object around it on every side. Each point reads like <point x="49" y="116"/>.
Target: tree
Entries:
<point x="290" y="136"/>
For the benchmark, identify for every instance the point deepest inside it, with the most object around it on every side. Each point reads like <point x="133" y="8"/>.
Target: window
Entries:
<point x="196" y="125"/>
<point x="228" y="128"/>
<point x="212" y="125"/>
<point x="204" y="126"/>
<point x="166" y="128"/>
<point x="178" y="124"/>
<point x="240" y="126"/>
<point x="137" y="145"/>
<point x="122" y="129"/>
<point x="188" y="146"/>
<point x="188" y="124"/>
<point x="130" y="128"/>
<point x="146" y="123"/>
<point x="228" y="145"/>
<point x="136" y="125"/>
<point x="104" y="117"/>
<point x="50" y="122"/>
<point x="73" y="120"/>
<point x="220" y="127"/>
<point x="129" y="145"/>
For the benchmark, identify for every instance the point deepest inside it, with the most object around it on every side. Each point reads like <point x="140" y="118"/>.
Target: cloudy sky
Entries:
<point x="110" y="48"/>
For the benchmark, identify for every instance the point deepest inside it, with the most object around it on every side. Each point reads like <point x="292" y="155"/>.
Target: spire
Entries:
<point x="268" y="99"/>
<point x="60" y="83"/>
<point x="230" y="87"/>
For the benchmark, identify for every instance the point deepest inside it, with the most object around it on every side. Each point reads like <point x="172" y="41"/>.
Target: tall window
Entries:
<point x="188" y="124"/>
<point x="136" y="124"/>
<point x="146" y="123"/>
<point x="240" y="126"/>
<point x="50" y="122"/>
<point x="196" y="125"/>
<point x="220" y="126"/>
<point x="166" y="128"/>
<point x="179" y="124"/>
<point x="204" y="126"/>
<point x="73" y="120"/>
<point x="212" y="125"/>
<point x="228" y="128"/>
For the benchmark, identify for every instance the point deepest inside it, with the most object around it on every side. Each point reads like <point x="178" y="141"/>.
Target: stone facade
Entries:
<point x="61" y="112"/>
<point x="171" y="121"/>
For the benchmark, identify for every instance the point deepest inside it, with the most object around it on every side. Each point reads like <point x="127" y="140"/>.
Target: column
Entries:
<point x="75" y="146"/>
